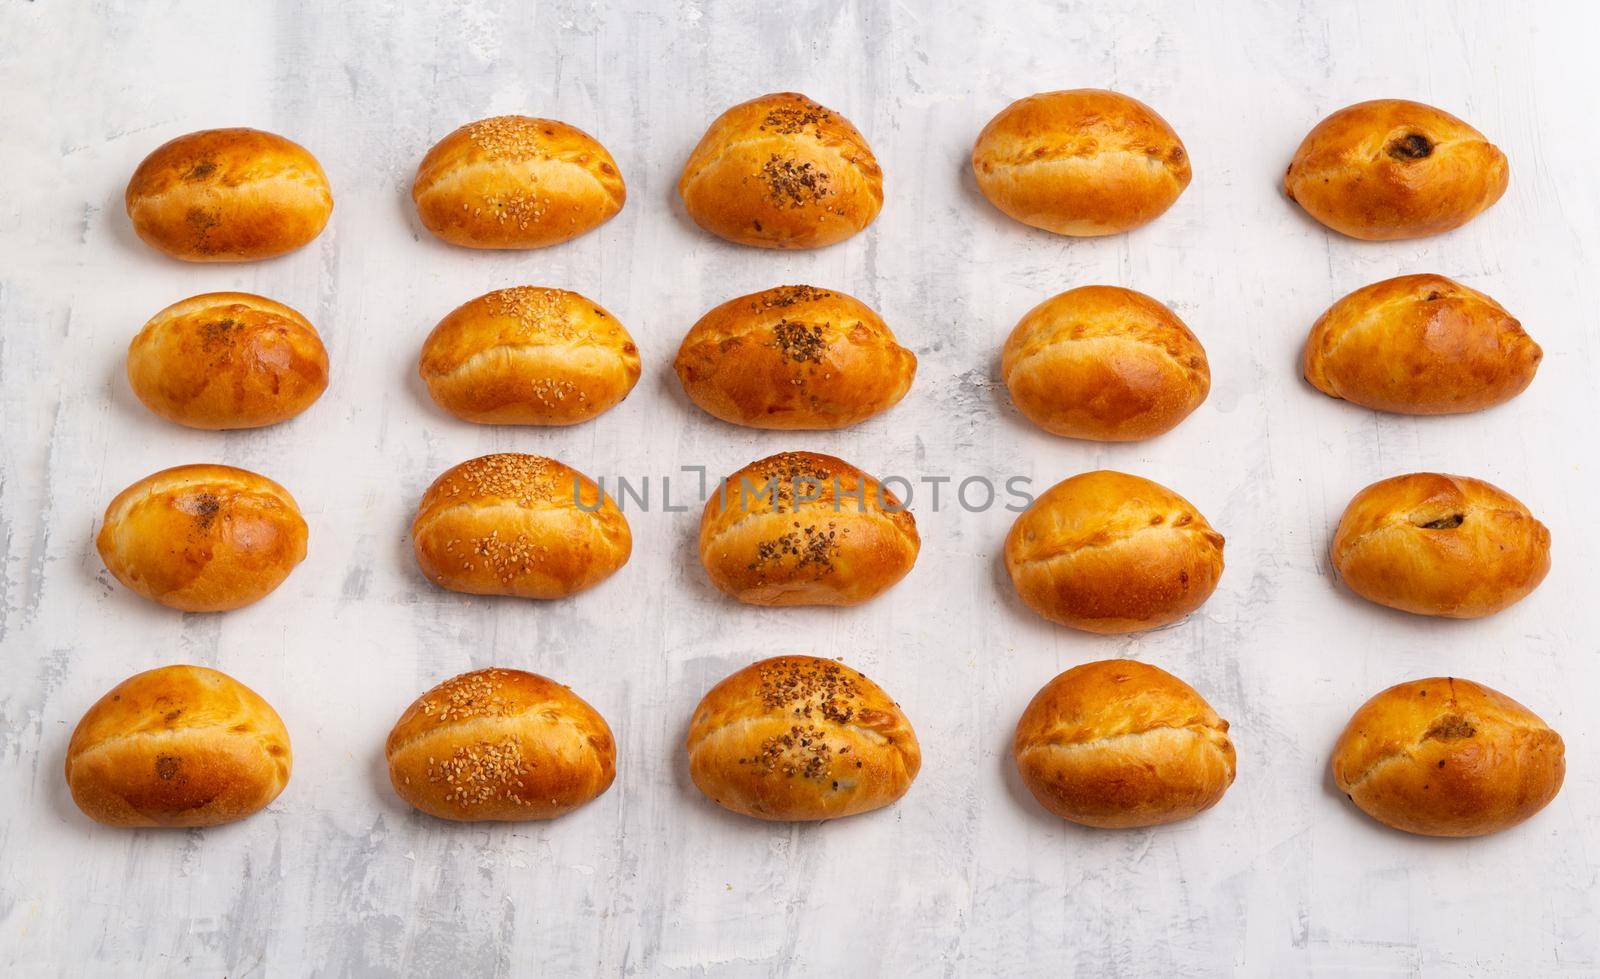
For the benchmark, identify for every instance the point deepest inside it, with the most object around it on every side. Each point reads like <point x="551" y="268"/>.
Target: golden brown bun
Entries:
<point x="227" y="360"/>
<point x="802" y="528"/>
<point x="1119" y="743"/>
<point x="1440" y="545"/>
<point x="229" y="195"/>
<point x="782" y="171"/>
<point x="1104" y="363"/>
<point x="203" y="538"/>
<point x="523" y="525"/>
<point x="1420" y="345"/>
<point x="1083" y="162"/>
<point x="177" y="746"/>
<point x="1395" y="169"/>
<point x="794" y="357"/>
<point x="1107" y="552"/>
<point x="1448" y="757"/>
<point x="529" y="356"/>
<point x="516" y="182"/>
<point x="503" y="745"/>
<point x="801" y="738"/>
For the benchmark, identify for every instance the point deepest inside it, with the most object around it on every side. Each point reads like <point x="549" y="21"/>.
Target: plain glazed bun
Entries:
<point x="203" y="538"/>
<point x="1110" y="553"/>
<point x="229" y="195"/>
<point x="801" y="528"/>
<point x="1106" y="364"/>
<point x="227" y="360"/>
<point x="1395" y="169"/>
<point x="1440" y="545"/>
<point x="801" y="738"/>
<point x="794" y="357"/>
<point x="1083" y="162"/>
<point x="1448" y="757"/>
<point x="177" y="746"/>
<point x="529" y="356"/>
<point x="516" y="182"/>
<point x="502" y="745"/>
<point x="1118" y="743"/>
<point x="781" y="171"/>
<point x="523" y="525"/>
<point x="1420" y="345"/>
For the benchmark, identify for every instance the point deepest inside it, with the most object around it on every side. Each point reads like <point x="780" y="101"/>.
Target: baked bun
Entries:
<point x="1391" y="169"/>
<point x="203" y="538"/>
<point x="802" y="528"/>
<point x="1440" y="545"/>
<point x="177" y="746"/>
<point x="1083" y="162"/>
<point x="500" y="745"/>
<point x="1107" y="552"/>
<point x="801" y="738"/>
<point x="1106" y="364"/>
<point x="529" y="356"/>
<point x="1420" y="345"/>
<point x="1118" y="743"/>
<point x="227" y="360"/>
<point x="516" y="182"/>
<point x="782" y="171"/>
<point x="1448" y="757"/>
<point x="514" y="524"/>
<point x="794" y="357"/>
<point x="229" y="195"/>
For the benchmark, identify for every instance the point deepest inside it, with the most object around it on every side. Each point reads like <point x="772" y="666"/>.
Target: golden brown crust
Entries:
<point x="228" y="195"/>
<point x="1106" y="364"/>
<point x="177" y="746"/>
<point x="794" y="357"/>
<point x="1420" y="345"/>
<point x="1118" y="743"/>
<point x="802" y="528"/>
<point x="1440" y="545"/>
<point x="1391" y="169"/>
<point x="1082" y="162"/>
<point x="781" y="171"/>
<point x="1108" y="552"/>
<point x="227" y="360"/>
<point x="523" y="525"/>
<point x="529" y="356"/>
<point x="1448" y="757"/>
<point x="202" y="538"/>
<point x="500" y="744"/>
<point x="801" y="738"/>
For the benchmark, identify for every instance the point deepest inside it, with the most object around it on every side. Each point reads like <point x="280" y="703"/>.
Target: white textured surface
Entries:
<point x="966" y="876"/>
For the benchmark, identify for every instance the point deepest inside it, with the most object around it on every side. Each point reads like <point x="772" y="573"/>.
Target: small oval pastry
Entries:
<point x="522" y="525"/>
<point x="801" y="738"/>
<point x="802" y="528"/>
<point x="792" y="358"/>
<point x="1420" y="345"/>
<point x="1440" y="545"/>
<point x="529" y="356"/>
<point x="1106" y="364"/>
<point x="502" y="745"/>
<point x="228" y="360"/>
<point x="1110" y="553"/>
<point x="202" y="538"/>
<point x="1391" y="169"/>
<point x="228" y="195"/>
<point x="1118" y="743"/>
<point x="781" y="171"/>
<point x="177" y="746"/>
<point x="1083" y="162"/>
<point x="1448" y="757"/>
<point x="516" y="182"/>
